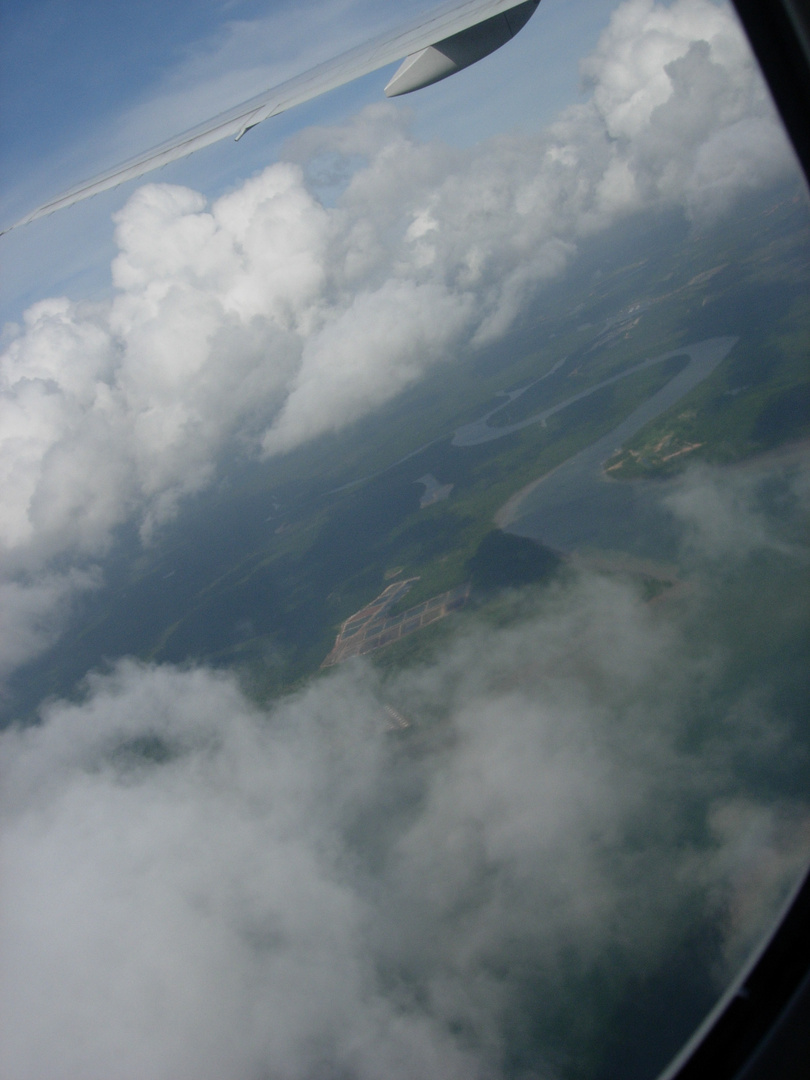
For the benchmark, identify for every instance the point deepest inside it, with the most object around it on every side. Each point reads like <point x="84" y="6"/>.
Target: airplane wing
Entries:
<point x="436" y="45"/>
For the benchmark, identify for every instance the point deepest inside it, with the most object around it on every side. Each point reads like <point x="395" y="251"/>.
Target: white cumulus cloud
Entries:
<point x="267" y="318"/>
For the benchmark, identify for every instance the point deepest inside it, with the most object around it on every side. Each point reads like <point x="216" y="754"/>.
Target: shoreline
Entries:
<point x="794" y="452"/>
<point x="507" y="514"/>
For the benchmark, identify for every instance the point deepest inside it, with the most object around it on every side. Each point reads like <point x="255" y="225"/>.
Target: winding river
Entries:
<point x="574" y="506"/>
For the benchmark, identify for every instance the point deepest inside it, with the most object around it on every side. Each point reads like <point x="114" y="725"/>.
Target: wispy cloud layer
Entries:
<point x="197" y="887"/>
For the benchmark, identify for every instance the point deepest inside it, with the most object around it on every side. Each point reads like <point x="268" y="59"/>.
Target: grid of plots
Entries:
<point x="371" y="628"/>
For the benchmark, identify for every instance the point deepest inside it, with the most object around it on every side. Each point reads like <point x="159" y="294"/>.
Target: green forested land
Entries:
<point x="260" y="572"/>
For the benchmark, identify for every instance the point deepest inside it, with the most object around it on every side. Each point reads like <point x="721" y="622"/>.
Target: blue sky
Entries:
<point x="86" y="84"/>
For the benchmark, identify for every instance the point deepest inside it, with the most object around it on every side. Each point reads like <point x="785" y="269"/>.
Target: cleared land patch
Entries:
<point x="371" y="627"/>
